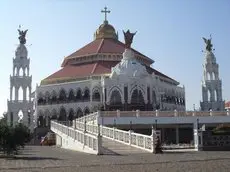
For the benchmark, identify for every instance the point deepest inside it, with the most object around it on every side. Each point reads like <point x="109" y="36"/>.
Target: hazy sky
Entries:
<point x="169" y="32"/>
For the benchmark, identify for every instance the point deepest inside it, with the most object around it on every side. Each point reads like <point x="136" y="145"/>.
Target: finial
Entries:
<point x="105" y="11"/>
<point x="22" y="35"/>
<point x="128" y="38"/>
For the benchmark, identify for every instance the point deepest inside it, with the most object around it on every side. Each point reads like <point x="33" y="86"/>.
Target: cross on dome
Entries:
<point x="105" y="11"/>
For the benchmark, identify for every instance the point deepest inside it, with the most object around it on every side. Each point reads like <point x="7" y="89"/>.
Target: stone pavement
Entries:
<point x="44" y="159"/>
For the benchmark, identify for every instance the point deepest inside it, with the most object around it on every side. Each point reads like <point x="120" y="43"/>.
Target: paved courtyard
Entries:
<point x="36" y="158"/>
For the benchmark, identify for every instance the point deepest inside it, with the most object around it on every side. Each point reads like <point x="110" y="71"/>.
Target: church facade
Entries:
<point x="105" y="75"/>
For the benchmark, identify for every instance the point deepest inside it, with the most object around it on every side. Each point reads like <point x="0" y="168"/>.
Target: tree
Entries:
<point x="13" y="138"/>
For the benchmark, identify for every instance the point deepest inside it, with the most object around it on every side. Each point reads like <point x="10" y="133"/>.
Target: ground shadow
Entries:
<point x="27" y="158"/>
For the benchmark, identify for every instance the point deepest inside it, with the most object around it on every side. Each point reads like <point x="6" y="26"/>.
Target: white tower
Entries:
<point x="20" y="106"/>
<point x="211" y="84"/>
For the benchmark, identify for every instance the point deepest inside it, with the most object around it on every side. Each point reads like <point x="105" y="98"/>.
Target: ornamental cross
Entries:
<point x="105" y="11"/>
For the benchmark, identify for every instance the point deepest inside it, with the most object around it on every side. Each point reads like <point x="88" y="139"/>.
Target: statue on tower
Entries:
<point x="208" y="44"/>
<point x="22" y="36"/>
<point x="128" y="38"/>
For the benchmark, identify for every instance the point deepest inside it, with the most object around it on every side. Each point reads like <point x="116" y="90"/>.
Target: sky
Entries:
<point x="169" y="32"/>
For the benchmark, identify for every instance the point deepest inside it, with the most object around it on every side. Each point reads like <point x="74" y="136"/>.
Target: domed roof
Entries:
<point x="105" y="31"/>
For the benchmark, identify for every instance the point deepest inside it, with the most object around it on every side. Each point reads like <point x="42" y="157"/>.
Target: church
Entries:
<point x="106" y="75"/>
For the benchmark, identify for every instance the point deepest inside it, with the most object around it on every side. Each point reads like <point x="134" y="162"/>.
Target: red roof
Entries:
<point x="96" y="68"/>
<point x="102" y="46"/>
<point x="87" y="69"/>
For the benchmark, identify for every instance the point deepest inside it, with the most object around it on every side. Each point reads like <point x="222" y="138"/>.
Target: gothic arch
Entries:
<point x="208" y="95"/>
<point x="215" y="95"/>
<point x="79" y="95"/>
<point x="62" y="114"/>
<point x="86" y="95"/>
<point x="137" y="97"/>
<point x="86" y="111"/>
<point x="71" y="96"/>
<point x="115" y="98"/>
<point x="20" y="93"/>
<point x="62" y="95"/>
<point x="79" y="113"/>
<point x="40" y="98"/>
<point x="54" y="96"/>
<point x="116" y="90"/>
<point x="71" y="115"/>
<point x="96" y="95"/>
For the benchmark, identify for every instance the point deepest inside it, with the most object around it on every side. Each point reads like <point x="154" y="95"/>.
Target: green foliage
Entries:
<point x="13" y="138"/>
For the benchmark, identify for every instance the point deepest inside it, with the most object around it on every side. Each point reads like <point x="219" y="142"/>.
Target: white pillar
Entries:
<point x="195" y="134"/>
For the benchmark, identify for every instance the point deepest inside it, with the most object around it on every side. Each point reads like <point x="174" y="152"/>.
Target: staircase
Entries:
<point x="87" y="137"/>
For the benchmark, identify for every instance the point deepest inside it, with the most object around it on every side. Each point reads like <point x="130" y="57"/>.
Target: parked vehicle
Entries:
<point x="48" y="140"/>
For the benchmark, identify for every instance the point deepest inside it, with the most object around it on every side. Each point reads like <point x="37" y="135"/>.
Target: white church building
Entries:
<point x="103" y="75"/>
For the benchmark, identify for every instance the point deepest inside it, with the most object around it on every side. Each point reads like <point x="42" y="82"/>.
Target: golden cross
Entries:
<point x="105" y="11"/>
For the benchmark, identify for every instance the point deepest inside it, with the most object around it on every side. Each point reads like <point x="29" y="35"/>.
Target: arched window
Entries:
<point x="62" y="96"/>
<point x="213" y="76"/>
<point x="71" y="96"/>
<point x="86" y="111"/>
<point x="115" y="98"/>
<point x="86" y="96"/>
<point x="71" y="115"/>
<point x="215" y="95"/>
<point x="79" y="95"/>
<point x="20" y="94"/>
<point x="62" y="115"/>
<point x="96" y="95"/>
<point x="137" y="97"/>
<point x="53" y="97"/>
<point x="40" y="99"/>
<point x="20" y="72"/>
<point x="209" y="95"/>
<point x="79" y="113"/>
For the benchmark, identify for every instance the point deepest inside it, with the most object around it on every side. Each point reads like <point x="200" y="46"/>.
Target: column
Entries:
<point x="177" y="134"/>
<point x="195" y="134"/>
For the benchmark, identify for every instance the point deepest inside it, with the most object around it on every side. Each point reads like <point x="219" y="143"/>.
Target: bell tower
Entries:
<point x="20" y="106"/>
<point x="211" y="84"/>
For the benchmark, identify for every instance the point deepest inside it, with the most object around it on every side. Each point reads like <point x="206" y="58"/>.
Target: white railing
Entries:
<point x="90" y="117"/>
<point x="89" y="140"/>
<point x="141" y="141"/>
<point x="158" y="113"/>
<point x="137" y="140"/>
